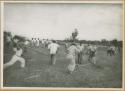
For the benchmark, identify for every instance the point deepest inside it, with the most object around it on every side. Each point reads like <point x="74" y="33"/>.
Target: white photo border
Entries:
<point x="58" y="88"/>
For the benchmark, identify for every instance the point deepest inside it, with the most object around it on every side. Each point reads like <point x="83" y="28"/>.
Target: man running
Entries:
<point x="92" y="53"/>
<point x="53" y="48"/>
<point x="17" y="56"/>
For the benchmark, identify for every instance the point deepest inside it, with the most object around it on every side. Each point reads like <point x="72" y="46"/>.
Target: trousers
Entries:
<point x="14" y="59"/>
<point x="53" y="59"/>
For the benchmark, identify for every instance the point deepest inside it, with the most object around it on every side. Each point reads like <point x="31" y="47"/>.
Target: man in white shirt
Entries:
<point x="71" y="55"/>
<point x="37" y="42"/>
<point x="16" y="57"/>
<point x="33" y="42"/>
<point x="80" y="53"/>
<point x="92" y="53"/>
<point x="53" y="48"/>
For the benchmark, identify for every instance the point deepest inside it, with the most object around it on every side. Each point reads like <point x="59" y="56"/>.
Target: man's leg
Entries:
<point x="22" y="60"/>
<point x="51" y="59"/>
<point x="11" y="62"/>
<point x="81" y="58"/>
<point x="110" y="53"/>
<point x="90" y="58"/>
<point x="72" y="67"/>
<point x="54" y="59"/>
<point x="78" y="58"/>
<point x="94" y="60"/>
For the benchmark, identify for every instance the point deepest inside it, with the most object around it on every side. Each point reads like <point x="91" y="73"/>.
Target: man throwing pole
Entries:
<point x="17" y="48"/>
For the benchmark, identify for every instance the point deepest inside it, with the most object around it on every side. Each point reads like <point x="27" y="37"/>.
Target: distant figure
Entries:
<point x="26" y="42"/>
<point x="85" y="51"/>
<point x="111" y="50"/>
<point x="17" y="56"/>
<point x="117" y="50"/>
<point x="37" y="42"/>
<point x="33" y="42"/>
<point x="80" y="53"/>
<point x="71" y="55"/>
<point x="47" y="42"/>
<point x="40" y="42"/>
<point x="66" y="45"/>
<point x="9" y="41"/>
<point x="25" y="45"/>
<point x="92" y="53"/>
<point x="53" y="48"/>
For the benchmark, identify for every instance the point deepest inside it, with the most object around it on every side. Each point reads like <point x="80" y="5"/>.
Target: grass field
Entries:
<point x="38" y="73"/>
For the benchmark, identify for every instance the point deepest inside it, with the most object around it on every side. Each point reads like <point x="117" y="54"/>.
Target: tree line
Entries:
<point x="72" y="38"/>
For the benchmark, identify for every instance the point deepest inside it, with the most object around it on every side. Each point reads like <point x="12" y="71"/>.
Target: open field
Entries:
<point x="107" y="73"/>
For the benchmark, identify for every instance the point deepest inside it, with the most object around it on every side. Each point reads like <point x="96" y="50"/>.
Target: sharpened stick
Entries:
<point x="33" y="76"/>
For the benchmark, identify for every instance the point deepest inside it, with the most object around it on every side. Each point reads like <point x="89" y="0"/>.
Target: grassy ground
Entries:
<point x="38" y="73"/>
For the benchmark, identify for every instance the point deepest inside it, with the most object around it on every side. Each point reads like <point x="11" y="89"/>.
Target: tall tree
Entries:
<point x="75" y="34"/>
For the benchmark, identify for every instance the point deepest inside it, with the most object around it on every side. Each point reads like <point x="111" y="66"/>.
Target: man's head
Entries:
<point x="19" y="46"/>
<point x="15" y="39"/>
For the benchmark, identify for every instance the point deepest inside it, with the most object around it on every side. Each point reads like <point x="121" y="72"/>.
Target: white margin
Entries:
<point x="2" y="27"/>
<point x="47" y="1"/>
<point x="123" y="58"/>
<point x="57" y="88"/>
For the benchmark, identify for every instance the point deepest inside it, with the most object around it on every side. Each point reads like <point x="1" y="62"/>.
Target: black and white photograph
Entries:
<point x="63" y="45"/>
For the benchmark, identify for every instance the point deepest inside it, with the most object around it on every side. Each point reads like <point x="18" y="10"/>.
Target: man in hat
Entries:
<point x="71" y="55"/>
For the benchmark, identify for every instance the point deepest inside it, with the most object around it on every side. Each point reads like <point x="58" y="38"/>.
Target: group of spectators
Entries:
<point x="75" y="51"/>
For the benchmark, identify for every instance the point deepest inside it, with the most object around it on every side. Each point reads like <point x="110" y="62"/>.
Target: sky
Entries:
<point x="58" y="21"/>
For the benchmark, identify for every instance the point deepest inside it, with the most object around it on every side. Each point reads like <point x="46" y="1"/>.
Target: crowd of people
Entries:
<point x="75" y="51"/>
<point x="36" y="42"/>
<point x="112" y="50"/>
